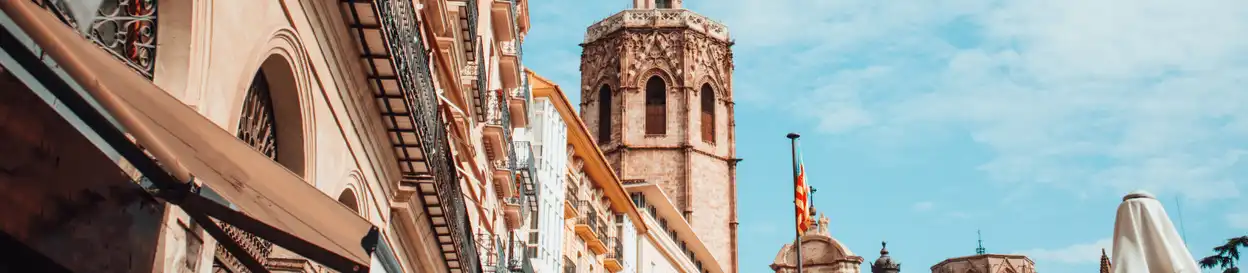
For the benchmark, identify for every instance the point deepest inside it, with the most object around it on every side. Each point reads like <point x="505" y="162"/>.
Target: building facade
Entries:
<point x="613" y="225"/>
<point x="656" y="91"/>
<point x="550" y="146"/>
<point x="410" y="114"/>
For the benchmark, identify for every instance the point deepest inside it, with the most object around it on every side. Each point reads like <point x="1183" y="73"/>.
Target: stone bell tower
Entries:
<point x="656" y="91"/>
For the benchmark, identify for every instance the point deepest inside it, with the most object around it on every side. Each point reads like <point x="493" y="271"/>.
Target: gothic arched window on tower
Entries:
<point x="604" y="114"/>
<point x="708" y="113"/>
<point x="656" y="106"/>
<point x="663" y="4"/>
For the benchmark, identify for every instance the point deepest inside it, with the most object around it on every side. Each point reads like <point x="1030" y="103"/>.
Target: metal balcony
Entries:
<point x="589" y="226"/>
<point x="509" y="63"/>
<point x="570" y="201"/>
<point x="520" y="257"/>
<point x="515" y="210"/>
<point x="524" y="171"/>
<point x="498" y="138"/>
<point x="613" y="259"/>
<point x="397" y="63"/>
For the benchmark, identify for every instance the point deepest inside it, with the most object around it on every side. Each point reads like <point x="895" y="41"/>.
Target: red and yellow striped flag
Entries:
<point x="802" y="195"/>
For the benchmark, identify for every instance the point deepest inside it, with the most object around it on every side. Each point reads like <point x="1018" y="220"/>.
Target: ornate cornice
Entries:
<point x="657" y="18"/>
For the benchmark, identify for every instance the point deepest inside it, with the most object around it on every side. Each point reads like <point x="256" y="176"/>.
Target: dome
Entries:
<point x="885" y="263"/>
<point x="820" y="253"/>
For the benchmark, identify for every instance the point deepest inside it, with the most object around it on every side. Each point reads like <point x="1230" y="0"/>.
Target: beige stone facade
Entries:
<point x="403" y="111"/>
<point x="656" y="86"/>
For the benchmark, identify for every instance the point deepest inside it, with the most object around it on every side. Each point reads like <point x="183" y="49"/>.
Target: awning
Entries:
<point x="266" y="196"/>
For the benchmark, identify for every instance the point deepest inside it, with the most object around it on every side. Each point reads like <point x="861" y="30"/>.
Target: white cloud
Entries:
<point x="1082" y="253"/>
<point x="1238" y="220"/>
<point x="1107" y="95"/>
<point x="923" y="206"/>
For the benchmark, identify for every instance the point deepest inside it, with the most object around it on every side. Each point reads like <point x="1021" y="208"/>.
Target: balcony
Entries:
<point x="497" y="129"/>
<point x="523" y="172"/>
<point x="397" y="66"/>
<point x="588" y="227"/>
<point x="520" y="258"/>
<point x="570" y="201"/>
<point x="522" y="16"/>
<point x="509" y="63"/>
<point x="504" y="181"/>
<point x="612" y="260"/>
<point x="503" y="14"/>
<point x="519" y="105"/>
<point x="513" y="211"/>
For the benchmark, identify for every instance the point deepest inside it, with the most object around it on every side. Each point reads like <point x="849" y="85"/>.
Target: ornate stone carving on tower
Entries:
<point x="656" y="90"/>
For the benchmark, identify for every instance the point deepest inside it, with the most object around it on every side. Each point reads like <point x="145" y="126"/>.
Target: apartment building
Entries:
<point x="258" y="136"/>
<point x="611" y="225"/>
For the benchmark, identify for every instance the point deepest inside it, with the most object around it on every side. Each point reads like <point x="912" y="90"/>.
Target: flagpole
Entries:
<point x="797" y="233"/>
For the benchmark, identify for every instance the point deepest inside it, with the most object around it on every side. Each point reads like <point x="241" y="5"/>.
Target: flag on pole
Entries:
<point x="802" y="194"/>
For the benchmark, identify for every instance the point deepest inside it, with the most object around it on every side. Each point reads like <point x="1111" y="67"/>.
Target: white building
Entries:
<point x="550" y="138"/>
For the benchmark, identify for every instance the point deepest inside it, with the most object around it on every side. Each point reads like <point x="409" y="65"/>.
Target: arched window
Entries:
<point x="274" y="129"/>
<point x="348" y="198"/>
<point x="663" y="4"/>
<point x="708" y="113"/>
<point x="258" y="126"/>
<point x="604" y="114"/>
<point x="656" y="106"/>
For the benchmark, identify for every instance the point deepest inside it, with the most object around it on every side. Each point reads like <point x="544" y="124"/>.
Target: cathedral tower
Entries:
<point x="656" y="91"/>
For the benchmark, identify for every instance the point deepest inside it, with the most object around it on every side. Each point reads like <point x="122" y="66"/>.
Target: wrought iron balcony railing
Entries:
<point x="589" y="215"/>
<point x="125" y="28"/>
<point x="411" y="62"/>
<point x="616" y="248"/>
<point x="519" y="262"/>
<point x="571" y="193"/>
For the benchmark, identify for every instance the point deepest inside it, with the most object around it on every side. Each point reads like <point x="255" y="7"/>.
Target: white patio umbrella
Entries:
<point x="1145" y="240"/>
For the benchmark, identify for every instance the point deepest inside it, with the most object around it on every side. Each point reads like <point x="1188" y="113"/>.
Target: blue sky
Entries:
<point x="924" y="121"/>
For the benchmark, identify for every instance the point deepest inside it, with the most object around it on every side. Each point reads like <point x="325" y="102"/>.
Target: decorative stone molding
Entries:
<point x="657" y="18"/>
<point x="683" y="56"/>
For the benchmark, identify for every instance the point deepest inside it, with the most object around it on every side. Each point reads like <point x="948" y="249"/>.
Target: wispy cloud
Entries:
<point x="1082" y="253"/>
<point x="1109" y="95"/>
<point x="923" y="206"/>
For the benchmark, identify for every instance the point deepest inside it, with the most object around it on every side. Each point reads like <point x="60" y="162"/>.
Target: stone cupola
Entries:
<point x="885" y="264"/>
